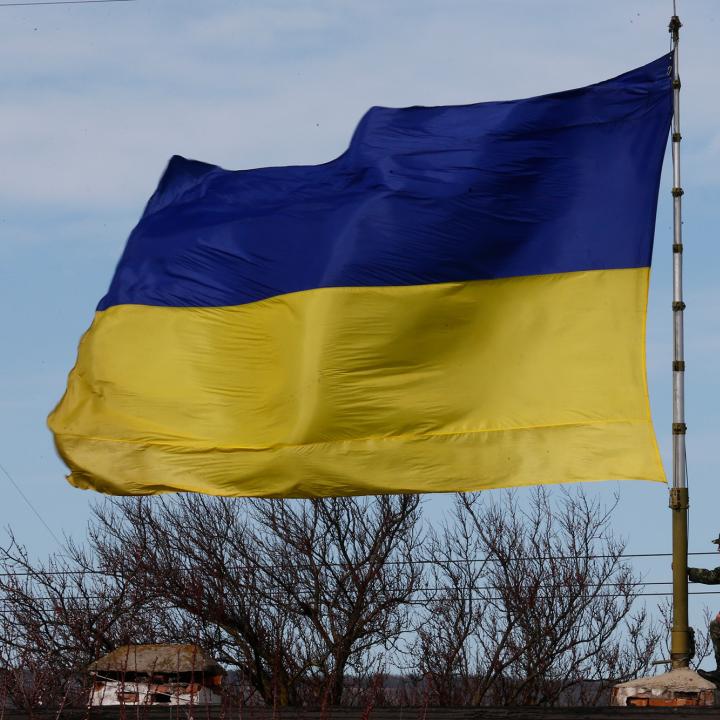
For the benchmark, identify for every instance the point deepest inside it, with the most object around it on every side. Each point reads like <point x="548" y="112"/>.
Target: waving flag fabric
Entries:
<point x="456" y="303"/>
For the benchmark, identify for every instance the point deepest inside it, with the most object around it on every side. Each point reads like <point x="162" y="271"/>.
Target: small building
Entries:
<point x="166" y="674"/>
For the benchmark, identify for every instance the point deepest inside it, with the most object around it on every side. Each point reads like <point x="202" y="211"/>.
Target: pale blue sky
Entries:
<point x="96" y="98"/>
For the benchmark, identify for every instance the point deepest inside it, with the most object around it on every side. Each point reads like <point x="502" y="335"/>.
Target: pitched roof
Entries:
<point x="167" y="658"/>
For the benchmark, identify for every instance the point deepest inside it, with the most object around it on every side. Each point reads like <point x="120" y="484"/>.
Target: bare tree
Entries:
<point x="292" y="593"/>
<point x="546" y="613"/>
<point x="188" y="554"/>
<point x="56" y="618"/>
<point x="443" y="648"/>
<point x="345" y="569"/>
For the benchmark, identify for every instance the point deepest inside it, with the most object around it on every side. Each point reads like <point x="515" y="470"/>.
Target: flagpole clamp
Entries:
<point x="679" y="499"/>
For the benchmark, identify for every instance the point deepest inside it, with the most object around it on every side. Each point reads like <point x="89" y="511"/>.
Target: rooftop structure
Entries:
<point x="155" y="674"/>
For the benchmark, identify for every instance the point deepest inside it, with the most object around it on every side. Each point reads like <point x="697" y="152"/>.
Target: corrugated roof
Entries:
<point x="167" y="658"/>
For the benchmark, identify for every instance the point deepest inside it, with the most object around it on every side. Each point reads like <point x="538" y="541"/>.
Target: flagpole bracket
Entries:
<point x="679" y="499"/>
<point x="679" y="429"/>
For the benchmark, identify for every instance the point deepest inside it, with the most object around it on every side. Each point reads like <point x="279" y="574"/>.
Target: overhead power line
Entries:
<point x="450" y="561"/>
<point x="29" y="504"/>
<point x="472" y="593"/>
<point x="6" y="609"/>
<point x="60" y="2"/>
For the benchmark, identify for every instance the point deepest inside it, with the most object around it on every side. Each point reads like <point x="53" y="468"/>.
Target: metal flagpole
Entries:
<point x="680" y="643"/>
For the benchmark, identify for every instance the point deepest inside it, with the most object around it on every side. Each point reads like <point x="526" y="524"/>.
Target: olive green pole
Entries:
<point x="680" y="635"/>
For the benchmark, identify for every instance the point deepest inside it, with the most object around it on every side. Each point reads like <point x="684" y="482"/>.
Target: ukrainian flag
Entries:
<point x="457" y="302"/>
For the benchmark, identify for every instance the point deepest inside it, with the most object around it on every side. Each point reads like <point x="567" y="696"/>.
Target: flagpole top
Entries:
<point x="674" y="27"/>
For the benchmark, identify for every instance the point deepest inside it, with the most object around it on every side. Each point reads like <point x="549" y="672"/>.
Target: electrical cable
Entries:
<point x="424" y="602"/>
<point x="60" y="2"/>
<point x="451" y="561"/>
<point x="6" y="601"/>
<point x="29" y="504"/>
